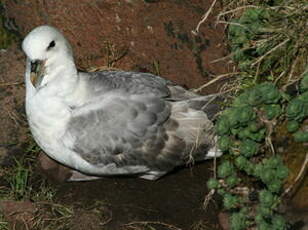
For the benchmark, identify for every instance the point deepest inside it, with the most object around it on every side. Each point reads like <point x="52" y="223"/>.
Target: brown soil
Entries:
<point x="133" y="34"/>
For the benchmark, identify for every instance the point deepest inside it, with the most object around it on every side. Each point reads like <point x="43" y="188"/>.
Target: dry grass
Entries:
<point x="148" y="225"/>
<point x="283" y="38"/>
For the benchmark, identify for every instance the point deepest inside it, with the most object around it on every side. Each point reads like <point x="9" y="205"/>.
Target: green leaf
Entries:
<point x="275" y="186"/>
<point x="230" y="201"/>
<point x="301" y="136"/>
<point x="266" y="198"/>
<point x="233" y="180"/>
<point x="248" y="148"/>
<point x="239" y="221"/>
<point x="246" y="114"/>
<point x="225" y="169"/>
<point x="279" y="223"/>
<point x="255" y="97"/>
<point x="272" y="111"/>
<point x="304" y="82"/>
<point x="292" y="126"/>
<point x="269" y="92"/>
<point x="222" y="126"/>
<point x="241" y="162"/>
<point x="295" y="109"/>
<point x="254" y="126"/>
<point x="212" y="183"/>
<point x="224" y="143"/>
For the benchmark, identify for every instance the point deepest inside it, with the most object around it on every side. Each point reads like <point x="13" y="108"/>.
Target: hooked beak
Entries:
<point x="37" y="72"/>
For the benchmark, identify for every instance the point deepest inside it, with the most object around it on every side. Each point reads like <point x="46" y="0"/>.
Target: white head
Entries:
<point x="46" y="48"/>
<point x="45" y="42"/>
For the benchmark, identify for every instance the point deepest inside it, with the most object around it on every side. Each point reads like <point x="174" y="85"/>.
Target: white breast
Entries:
<point x="48" y="117"/>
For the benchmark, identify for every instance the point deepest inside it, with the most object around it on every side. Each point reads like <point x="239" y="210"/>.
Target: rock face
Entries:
<point x="12" y="120"/>
<point x="149" y="36"/>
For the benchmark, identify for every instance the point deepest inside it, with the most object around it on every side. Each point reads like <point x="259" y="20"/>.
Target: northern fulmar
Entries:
<point x="111" y="122"/>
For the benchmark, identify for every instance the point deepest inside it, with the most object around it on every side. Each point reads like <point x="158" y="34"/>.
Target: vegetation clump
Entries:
<point x="245" y="130"/>
<point x="260" y="45"/>
<point x="270" y="61"/>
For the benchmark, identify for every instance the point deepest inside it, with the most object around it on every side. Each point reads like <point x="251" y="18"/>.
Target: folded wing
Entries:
<point x="117" y="128"/>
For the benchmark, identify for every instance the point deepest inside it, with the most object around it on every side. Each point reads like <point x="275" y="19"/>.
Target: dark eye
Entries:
<point x="51" y="44"/>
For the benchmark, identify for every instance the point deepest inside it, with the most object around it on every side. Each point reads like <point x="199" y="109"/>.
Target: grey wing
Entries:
<point x="113" y="130"/>
<point x="137" y="83"/>
<point x="129" y="82"/>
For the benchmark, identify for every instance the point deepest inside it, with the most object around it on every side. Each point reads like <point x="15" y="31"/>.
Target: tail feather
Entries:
<point x="211" y="105"/>
<point x="195" y="128"/>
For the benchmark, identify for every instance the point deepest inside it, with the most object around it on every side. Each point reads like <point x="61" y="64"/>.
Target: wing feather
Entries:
<point x="114" y="128"/>
<point x="129" y="82"/>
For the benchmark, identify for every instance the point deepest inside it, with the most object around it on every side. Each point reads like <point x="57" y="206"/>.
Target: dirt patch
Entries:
<point x="20" y="215"/>
<point x="136" y="35"/>
<point x="13" y="124"/>
<point x="175" y="200"/>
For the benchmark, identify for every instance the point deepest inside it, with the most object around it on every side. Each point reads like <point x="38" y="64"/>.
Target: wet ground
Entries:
<point x="175" y="200"/>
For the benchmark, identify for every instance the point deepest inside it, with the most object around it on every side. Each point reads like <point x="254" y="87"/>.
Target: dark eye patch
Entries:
<point x="51" y="44"/>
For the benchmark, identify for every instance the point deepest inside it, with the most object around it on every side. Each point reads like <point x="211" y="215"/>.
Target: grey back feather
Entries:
<point x="116" y="130"/>
<point x="136" y="119"/>
<point x="129" y="82"/>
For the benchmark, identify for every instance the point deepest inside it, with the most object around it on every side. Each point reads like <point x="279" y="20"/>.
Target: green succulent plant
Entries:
<point x="222" y="126"/>
<point x="239" y="221"/>
<point x="225" y="169"/>
<point x="230" y="201"/>
<point x="212" y="183"/>
<point x="295" y="109"/>
<point x="279" y="223"/>
<point x="304" y="82"/>
<point x="224" y="143"/>
<point x="272" y="111"/>
<point x="262" y="53"/>
<point x="248" y="148"/>
<point x="272" y="172"/>
<point x="301" y="136"/>
<point x="267" y="199"/>
<point x="242" y="133"/>
<point x="232" y="180"/>
<point x="269" y="92"/>
<point x="293" y="126"/>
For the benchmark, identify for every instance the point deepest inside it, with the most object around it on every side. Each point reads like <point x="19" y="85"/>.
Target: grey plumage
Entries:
<point x="138" y="119"/>
<point x="129" y="82"/>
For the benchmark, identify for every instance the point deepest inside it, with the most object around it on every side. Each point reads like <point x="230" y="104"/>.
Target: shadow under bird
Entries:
<point x="111" y="122"/>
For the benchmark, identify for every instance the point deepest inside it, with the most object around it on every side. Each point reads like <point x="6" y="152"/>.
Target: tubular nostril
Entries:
<point x="34" y="65"/>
